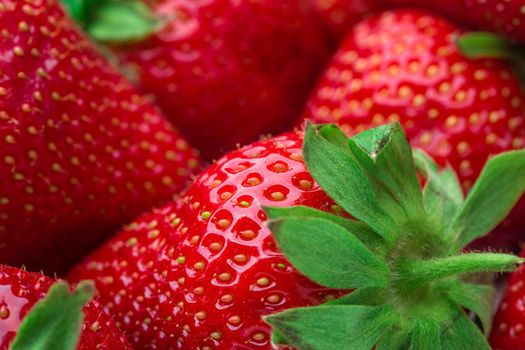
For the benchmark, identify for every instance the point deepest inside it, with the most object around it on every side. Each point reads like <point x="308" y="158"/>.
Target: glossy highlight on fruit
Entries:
<point x="202" y="271"/>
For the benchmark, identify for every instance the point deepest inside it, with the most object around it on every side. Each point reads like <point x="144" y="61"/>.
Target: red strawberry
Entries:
<point x="20" y="290"/>
<point x="503" y="16"/>
<point x="199" y="273"/>
<point x="202" y="271"/>
<point x="404" y="66"/>
<point x="224" y="71"/>
<point x="507" y="331"/>
<point x="80" y="151"/>
<point x="340" y="16"/>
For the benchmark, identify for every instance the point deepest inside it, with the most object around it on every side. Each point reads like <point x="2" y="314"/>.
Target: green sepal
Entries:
<point x="442" y="195"/>
<point x="488" y="45"/>
<point x="343" y="179"/>
<point x="414" y="273"/>
<point x="328" y="254"/>
<point x="422" y="335"/>
<point x="385" y="154"/>
<point x="362" y="231"/>
<point x="463" y="334"/>
<point x="498" y="188"/>
<point x="371" y="296"/>
<point x="115" y="21"/>
<point x="123" y="22"/>
<point x="477" y="298"/>
<point x="55" y="322"/>
<point x="334" y="327"/>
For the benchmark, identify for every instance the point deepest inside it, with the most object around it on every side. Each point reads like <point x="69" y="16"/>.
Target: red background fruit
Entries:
<point x="81" y="152"/>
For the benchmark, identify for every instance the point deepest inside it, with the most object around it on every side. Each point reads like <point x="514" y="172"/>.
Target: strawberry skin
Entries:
<point x="506" y="17"/>
<point x="20" y="290"/>
<point x="202" y="271"/>
<point x="507" y="328"/>
<point x="81" y="152"/>
<point x="219" y="63"/>
<point x="404" y="66"/>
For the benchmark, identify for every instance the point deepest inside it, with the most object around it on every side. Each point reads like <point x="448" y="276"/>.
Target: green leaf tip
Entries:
<point x="55" y="322"/>
<point x="400" y="247"/>
<point x="115" y="21"/>
<point x="488" y="45"/>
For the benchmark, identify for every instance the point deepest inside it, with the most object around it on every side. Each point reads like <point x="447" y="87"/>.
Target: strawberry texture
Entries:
<point x="200" y="272"/>
<point x="227" y="71"/>
<point x="81" y="152"/>
<point x="506" y="17"/>
<point x="404" y="66"/>
<point x="20" y="290"/>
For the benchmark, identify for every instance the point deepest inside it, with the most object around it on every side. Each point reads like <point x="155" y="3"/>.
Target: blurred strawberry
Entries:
<point x="21" y="290"/>
<point x="404" y="66"/>
<point x="80" y="151"/>
<point x="224" y="71"/>
<point x="201" y="272"/>
<point x="506" y="17"/>
<point x="339" y="16"/>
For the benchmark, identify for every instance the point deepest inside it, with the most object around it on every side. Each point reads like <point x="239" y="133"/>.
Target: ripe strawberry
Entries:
<point x="404" y="66"/>
<point x="502" y="16"/>
<point x="223" y="71"/>
<point x="20" y="290"/>
<point x="80" y="151"/>
<point x="507" y="332"/>
<point x="202" y="271"/>
<point x="339" y="16"/>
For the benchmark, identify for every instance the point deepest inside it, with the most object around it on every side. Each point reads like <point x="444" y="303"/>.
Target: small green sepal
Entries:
<point x="55" y="322"/>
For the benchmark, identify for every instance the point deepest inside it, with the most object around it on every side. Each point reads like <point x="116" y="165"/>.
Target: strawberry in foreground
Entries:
<point x="502" y="16"/>
<point x="202" y="272"/>
<point x="508" y="332"/>
<point x="80" y="151"/>
<point x="54" y="321"/>
<point x="214" y="65"/>
<point x="404" y="66"/>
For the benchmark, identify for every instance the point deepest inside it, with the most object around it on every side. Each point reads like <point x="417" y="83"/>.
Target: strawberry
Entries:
<point x="203" y="271"/>
<point x="20" y="290"/>
<point x="404" y="66"/>
<point x="223" y="71"/>
<point x="81" y="152"/>
<point x="507" y="332"/>
<point x="506" y="17"/>
<point x="339" y="16"/>
<point x="200" y="272"/>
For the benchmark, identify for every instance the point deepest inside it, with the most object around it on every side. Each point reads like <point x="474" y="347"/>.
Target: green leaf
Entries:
<point x="387" y="157"/>
<point x="498" y="188"/>
<point x="487" y="45"/>
<point x="343" y="179"/>
<point x="76" y="9"/>
<point x="370" y="296"/>
<point x="328" y="254"/>
<point x="56" y="321"/>
<point x="424" y="335"/>
<point x="362" y="231"/>
<point x="475" y="297"/>
<point x="414" y="273"/>
<point x="335" y="327"/>
<point x="463" y="335"/>
<point x="122" y="22"/>
<point x="442" y="195"/>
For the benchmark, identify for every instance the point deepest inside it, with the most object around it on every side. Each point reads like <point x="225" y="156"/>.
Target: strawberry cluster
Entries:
<point x="137" y="163"/>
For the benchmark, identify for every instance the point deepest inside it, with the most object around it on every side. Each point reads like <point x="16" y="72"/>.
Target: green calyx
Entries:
<point x="55" y="322"/>
<point x="114" y="21"/>
<point x="403" y="254"/>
